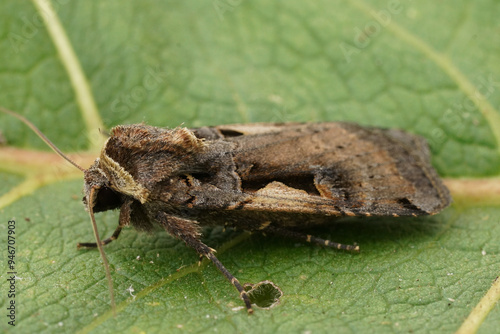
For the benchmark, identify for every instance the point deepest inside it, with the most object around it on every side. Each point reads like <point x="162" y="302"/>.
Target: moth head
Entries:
<point x="104" y="196"/>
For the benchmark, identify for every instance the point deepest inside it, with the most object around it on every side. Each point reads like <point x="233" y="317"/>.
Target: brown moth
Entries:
<point x="258" y="177"/>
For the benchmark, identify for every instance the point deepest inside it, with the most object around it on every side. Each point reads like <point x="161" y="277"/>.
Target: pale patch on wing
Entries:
<point x="277" y="196"/>
<point x="255" y="128"/>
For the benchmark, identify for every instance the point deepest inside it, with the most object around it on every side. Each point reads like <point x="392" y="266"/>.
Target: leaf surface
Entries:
<point x="429" y="68"/>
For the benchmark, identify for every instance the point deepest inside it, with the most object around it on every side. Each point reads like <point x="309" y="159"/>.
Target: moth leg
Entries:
<point x="234" y="281"/>
<point x="123" y="221"/>
<point x="188" y="231"/>
<point x="306" y="237"/>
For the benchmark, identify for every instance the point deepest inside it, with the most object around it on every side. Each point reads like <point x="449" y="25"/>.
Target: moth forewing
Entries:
<point x="258" y="177"/>
<point x="334" y="169"/>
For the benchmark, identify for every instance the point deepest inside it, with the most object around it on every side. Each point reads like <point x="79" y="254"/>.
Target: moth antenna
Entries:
<point x="41" y="135"/>
<point x="90" y="200"/>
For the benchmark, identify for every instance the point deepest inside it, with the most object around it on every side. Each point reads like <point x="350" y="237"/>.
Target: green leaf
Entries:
<point x="429" y="68"/>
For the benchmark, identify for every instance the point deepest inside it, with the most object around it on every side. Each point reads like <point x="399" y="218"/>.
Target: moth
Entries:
<point x="278" y="178"/>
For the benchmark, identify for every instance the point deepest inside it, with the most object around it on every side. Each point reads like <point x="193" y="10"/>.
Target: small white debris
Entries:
<point x="483" y="252"/>
<point x="449" y="274"/>
<point x="60" y="324"/>
<point x="451" y="299"/>
<point x="130" y="290"/>
<point x="138" y="257"/>
<point x="235" y="309"/>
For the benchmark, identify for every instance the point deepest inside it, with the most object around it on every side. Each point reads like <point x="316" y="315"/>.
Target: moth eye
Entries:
<point x="107" y="199"/>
